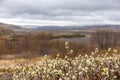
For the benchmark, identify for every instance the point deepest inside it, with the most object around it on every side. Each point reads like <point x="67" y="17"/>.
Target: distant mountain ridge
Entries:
<point x="91" y="27"/>
<point x="87" y="27"/>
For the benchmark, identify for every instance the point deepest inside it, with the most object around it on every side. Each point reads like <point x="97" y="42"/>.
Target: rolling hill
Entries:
<point x="9" y="26"/>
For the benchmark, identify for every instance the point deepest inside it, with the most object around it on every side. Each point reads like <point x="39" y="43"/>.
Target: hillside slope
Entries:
<point x="10" y="26"/>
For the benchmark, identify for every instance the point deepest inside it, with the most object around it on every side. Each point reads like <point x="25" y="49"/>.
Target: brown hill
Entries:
<point x="6" y="33"/>
<point x="10" y="26"/>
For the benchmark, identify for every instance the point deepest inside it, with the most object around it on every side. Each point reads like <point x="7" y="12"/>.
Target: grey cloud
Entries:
<point x="49" y="6"/>
<point x="66" y="10"/>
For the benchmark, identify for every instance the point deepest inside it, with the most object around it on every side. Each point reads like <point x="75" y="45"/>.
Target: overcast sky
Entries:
<point x="60" y="12"/>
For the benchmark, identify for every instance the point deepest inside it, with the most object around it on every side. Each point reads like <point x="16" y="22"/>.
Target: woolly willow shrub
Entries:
<point x="93" y="67"/>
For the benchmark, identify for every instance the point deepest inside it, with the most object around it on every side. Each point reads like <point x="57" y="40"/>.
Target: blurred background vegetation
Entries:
<point x="34" y="44"/>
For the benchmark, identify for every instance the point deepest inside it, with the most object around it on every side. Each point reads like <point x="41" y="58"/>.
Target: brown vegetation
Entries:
<point x="35" y="44"/>
<point x="105" y="39"/>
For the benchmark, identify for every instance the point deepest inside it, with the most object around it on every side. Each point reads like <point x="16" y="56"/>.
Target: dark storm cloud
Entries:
<point x="66" y="10"/>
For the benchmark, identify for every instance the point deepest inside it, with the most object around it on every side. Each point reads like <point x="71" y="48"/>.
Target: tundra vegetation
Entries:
<point x="105" y="66"/>
<point x="98" y="60"/>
